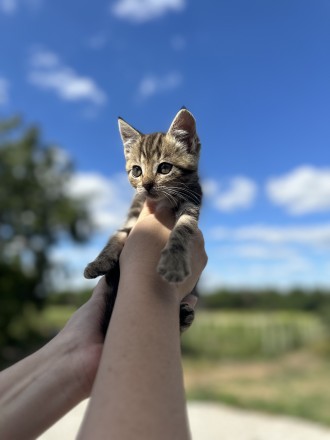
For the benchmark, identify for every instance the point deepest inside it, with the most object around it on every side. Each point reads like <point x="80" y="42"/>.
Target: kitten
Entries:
<point x="162" y="167"/>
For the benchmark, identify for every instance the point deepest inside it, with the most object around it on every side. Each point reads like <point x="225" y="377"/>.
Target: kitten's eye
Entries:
<point x="136" y="171"/>
<point x="164" y="168"/>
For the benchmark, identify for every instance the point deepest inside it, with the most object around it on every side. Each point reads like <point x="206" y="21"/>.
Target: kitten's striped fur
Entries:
<point x="164" y="168"/>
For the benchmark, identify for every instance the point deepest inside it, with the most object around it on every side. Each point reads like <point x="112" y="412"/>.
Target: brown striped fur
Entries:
<point x="179" y="189"/>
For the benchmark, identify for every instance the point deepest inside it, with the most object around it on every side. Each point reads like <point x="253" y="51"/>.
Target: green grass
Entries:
<point x="246" y="335"/>
<point x="263" y="361"/>
<point x="31" y="330"/>
<point x="296" y="384"/>
<point x="272" y="362"/>
<point x="56" y="316"/>
<point x="46" y="323"/>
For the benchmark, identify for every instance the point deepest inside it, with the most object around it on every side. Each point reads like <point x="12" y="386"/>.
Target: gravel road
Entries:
<point x="210" y="421"/>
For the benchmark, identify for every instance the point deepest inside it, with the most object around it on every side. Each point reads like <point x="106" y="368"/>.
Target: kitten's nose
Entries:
<point x="148" y="186"/>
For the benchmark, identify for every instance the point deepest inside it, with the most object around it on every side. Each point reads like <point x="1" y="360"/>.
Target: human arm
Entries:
<point x="138" y="392"/>
<point x="38" y="390"/>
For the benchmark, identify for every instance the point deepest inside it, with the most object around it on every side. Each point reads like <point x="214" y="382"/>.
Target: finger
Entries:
<point x="200" y="244"/>
<point x="147" y="209"/>
<point x="191" y="300"/>
<point x="163" y="214"/>
<point x="101" y="289"/>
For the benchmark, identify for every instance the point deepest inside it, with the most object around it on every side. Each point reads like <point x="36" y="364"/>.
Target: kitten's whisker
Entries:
<point x="186" y="194"/>
<point x="188" y="191"/>
<point x="170" y="198"/>
<point x="181" y="196"/>
<point x="164" y="191"/>
<point x="191" y="190"/>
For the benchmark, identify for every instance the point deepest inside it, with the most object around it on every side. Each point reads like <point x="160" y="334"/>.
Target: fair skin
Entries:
<point x="136" y="371"/>
<point x="37" y="391"/>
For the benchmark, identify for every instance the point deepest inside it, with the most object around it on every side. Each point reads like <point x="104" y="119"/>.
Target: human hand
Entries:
<point x="143" y="335"/>
<point x="83" y="338"/>
<point x="143" y="248"/>
<point x="82" y="335"/>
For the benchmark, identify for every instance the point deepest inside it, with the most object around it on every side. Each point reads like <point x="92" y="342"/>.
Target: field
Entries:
<point x="245" y="335"/>
<point x="273" y="362"/>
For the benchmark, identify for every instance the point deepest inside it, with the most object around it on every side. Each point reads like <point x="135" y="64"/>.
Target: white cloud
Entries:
<point x="140" y="11"/>
<point x="151" y="84"/>
<point x="267" y="255"/>
<point x="260" y="274"/>
<point x="45" y="59"/>
<point x="261" y="255"/>
<point x="313" y="235"/>
<point x="239" y="193"/>
<point x="69" y="262"/>
<point x="248" y="263"/>
<point x="302" y="191"/>
<point x="4" y="91"/>
<point x="108" y="198"/>
<point x="259" y="251"/>
<point x="286" y="273"/>
<point x="48" y="72"/>
<point x="8" y="7"/>
<point x="210" y="187"/>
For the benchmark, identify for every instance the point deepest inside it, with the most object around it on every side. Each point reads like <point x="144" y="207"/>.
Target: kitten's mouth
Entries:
<point x="153" y="196"/>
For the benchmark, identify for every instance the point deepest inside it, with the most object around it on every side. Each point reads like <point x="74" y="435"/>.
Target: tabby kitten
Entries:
<point x="162" y="167"/>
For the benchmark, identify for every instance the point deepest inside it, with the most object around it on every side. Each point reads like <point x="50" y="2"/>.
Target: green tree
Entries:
<point x="36" y="210"/>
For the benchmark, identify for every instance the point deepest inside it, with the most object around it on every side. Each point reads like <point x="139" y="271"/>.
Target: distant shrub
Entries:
<point x="243" y="335"/>
<point x="267" y="299"/>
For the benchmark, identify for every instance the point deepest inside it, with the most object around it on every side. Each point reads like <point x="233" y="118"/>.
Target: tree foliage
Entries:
<point x="315" y="300"/>
<point x="36" y="210"/>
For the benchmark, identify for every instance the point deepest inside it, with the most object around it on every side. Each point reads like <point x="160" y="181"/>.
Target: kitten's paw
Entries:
<point x="172" y="267"/>
<point x="97" y="268"/>
<point x="187" y="315"/>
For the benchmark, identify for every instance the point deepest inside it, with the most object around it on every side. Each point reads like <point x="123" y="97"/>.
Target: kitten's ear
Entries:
<point x="183" y="128"/>
<point x="129" y="135"/>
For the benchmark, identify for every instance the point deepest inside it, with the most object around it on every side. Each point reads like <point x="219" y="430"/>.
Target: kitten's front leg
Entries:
<point x="109" y="256"/>
<point x="174" y="264"/>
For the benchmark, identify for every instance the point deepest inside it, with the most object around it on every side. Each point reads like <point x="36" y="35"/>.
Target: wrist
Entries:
<point x="41" y="384"/>
<point x="149" y="283"/>
<point x="66" y="362"/>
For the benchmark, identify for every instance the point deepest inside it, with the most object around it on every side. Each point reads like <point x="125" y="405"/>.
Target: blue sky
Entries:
<point x="256" y="75"/>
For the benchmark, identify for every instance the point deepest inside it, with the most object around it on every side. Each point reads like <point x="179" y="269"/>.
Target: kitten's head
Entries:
<point x="161" y="164"/>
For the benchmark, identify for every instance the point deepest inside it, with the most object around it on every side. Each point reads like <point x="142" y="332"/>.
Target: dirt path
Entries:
<point x="210" y="421"/>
